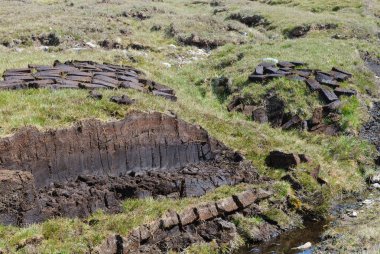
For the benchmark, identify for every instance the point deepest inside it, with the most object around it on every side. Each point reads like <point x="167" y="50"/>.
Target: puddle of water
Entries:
<point x="285" y="243"/>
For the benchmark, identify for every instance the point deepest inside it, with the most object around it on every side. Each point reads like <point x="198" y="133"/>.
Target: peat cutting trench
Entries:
<point x="93" y="165"/>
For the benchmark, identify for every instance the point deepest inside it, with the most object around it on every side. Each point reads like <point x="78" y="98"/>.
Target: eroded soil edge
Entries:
<point x="94" y="165"/>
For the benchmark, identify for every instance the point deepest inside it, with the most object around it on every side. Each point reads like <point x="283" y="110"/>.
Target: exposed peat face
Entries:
<point x="95" y="165"/>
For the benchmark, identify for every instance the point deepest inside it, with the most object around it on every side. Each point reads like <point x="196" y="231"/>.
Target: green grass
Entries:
<point x="345" y="161"/>
<point x="78" y="236"/>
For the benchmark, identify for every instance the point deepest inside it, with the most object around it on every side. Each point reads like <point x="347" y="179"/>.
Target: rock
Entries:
<point x="91" y="45"/>
<point x="367" y="202"/>
<point x="95" y="95"/>
<point x="353" y="214"/>
<point x="124" y="100"/>
<point x="167" y="65"/>
<point x="305" y="246"/>
<point x="375" y="178"/>
<point x="376" y="186"/>
<point x="226" y="205"/>
<point x="281" y="160"/>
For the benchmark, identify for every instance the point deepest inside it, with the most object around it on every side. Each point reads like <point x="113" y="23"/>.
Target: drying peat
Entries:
<point x="83" y="75"/>
<point x="324" y="119"/>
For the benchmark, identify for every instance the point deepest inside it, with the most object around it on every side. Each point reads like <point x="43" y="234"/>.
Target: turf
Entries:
<point x="345" y="161"/>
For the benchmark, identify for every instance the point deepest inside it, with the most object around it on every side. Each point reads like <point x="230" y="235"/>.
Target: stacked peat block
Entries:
<point x="327" y="83"/>
<point x="82" y="75"/>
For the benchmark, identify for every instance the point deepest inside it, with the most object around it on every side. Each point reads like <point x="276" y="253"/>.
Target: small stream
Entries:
<point x="286" y="242"/>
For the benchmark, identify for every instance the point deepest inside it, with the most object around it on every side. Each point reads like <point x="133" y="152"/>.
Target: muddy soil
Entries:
<point x="371" y="130"/>
<point x="75" y="171"/>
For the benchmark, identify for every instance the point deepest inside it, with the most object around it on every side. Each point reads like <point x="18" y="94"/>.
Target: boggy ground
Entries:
<point x="187" y="45"/>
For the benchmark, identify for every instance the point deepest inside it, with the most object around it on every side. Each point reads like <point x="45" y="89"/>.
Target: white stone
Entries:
<point x="167" y="65"/>
<point x="91" y="44"/>
<point x="367" y="202"/>
<point x="375" y="178"/>
<point x="304" y="246"/>
<point x="43" y="48"/>
<point x="376" y="185"/>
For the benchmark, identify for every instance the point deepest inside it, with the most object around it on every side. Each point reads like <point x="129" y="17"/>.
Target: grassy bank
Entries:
<point x="345" y="160"/>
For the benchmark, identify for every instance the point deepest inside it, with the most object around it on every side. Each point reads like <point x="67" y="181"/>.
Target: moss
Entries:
<point x="248" y="227"/>
<point x="278" y="216"/>
<point x="345" y="161"/>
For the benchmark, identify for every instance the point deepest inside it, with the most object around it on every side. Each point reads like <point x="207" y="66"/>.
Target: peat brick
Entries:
<point x="281" y="160"/>
<point x="226" y="205"/>
<point x="188" y="216"/>
<point x="245" y="198"/>
<point x="207" y="211"/>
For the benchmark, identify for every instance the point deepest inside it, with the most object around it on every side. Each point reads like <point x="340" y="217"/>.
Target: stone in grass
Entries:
<point x="95" y="95"/>
<point x="122" y="100"/>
